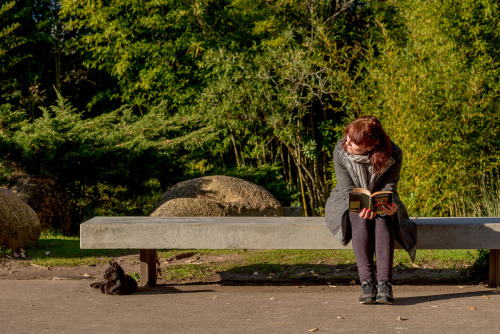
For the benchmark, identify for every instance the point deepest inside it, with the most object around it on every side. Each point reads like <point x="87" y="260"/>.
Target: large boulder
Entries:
<point x="19" y="224"/>
<point x="217" y="195"/>
<point x="43" y="195"/>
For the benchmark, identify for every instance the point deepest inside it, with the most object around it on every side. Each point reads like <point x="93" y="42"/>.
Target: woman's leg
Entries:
<point x="384" y="247"/>
<point x="363" y="244"/>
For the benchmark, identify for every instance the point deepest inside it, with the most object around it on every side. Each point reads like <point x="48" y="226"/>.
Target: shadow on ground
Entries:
<point x="334" y="274"/>
<point x="405" y="301"/>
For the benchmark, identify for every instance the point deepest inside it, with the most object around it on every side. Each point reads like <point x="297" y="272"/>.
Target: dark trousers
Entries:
<point x="369" y="238"/>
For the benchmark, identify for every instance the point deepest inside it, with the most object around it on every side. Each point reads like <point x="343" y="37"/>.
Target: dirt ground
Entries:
<point x="21" y="269"/>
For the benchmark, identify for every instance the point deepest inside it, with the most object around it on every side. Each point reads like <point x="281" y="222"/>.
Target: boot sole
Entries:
<point x="385" y="301"/>
<point x="368" y="301"/>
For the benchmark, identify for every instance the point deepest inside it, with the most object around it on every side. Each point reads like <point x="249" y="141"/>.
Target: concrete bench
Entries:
<point x="151" y="233"/>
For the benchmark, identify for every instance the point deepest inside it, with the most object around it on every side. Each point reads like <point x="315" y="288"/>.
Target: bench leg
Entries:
<point x="148" y="267"/>
<point x="494" y="267"/>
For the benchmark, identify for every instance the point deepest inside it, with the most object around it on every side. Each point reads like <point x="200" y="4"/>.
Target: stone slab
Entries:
<point x="268" y="233"/>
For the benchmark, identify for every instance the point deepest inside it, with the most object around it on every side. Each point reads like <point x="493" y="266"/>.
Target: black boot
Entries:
<point x="368" y="292"/>
<point x="384" y="295"/>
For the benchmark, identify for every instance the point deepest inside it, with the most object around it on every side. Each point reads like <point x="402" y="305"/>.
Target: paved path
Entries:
<point x="41" y="306"/>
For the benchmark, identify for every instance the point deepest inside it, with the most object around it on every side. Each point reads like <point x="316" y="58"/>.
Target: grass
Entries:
<point x="55" y="250"/>
<point x="58" y="250"/>
<point x="304" y="263"/>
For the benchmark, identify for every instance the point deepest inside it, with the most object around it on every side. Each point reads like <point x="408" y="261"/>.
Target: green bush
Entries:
<point x="434" y="83"/>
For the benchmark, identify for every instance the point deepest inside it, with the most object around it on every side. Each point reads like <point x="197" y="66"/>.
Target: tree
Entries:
<point x="279" y="99"/>
<point x="9" y="40"/>
<point x="434" y="84"/>
<point x="257" y="71"/>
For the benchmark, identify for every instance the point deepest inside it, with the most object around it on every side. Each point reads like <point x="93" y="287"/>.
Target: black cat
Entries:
<point x="117" y="283"/>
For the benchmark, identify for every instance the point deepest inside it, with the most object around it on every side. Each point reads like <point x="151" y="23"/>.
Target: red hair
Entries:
<point x="367" y="131"/>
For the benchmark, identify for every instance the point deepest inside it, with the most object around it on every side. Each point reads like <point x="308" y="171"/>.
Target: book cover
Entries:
<point x="361" y="198"/>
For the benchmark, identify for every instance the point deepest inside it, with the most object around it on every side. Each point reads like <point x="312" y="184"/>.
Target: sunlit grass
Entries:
<point x="55" y="250"/>
<point x="275" y="262"/>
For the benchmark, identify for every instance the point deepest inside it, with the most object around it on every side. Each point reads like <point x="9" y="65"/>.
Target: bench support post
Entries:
<point x="148" y="267"/>
<point x="494" y="267"/>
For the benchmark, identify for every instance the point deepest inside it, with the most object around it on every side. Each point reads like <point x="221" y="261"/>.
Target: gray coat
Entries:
<point x="336" y="210"/>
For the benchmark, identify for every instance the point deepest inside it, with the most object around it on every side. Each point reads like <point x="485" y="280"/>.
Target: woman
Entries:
<point x="367" y="158"/>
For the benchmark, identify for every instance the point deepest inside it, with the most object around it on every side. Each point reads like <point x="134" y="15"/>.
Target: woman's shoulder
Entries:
<point x="339" y="145"/>
<point x="397" y="152"/>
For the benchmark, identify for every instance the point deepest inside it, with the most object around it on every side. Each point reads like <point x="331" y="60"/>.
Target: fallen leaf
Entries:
<point x="314" y="329"/>
<point x="20" y="254"/>
<point x="38" y="266"/>
<point x="340" y="317"/>
<point x="85" y="275"/>
<point x="332" y="286"/>
<point x="414" y="265"/>
<point x="472" y="308"/>
<point x="400" y="318"/>
<point x="271" y="298"/>
<point x="485" y="297"/>
<point x="353" y="282"/>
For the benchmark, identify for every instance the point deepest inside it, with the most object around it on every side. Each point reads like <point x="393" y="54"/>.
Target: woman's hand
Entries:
<point x="390" y="209"/>
<point x="367" y="214"/>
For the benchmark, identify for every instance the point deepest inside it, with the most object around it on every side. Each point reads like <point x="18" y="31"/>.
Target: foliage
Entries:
<point x="111" y="147"/>
<point x="8" y="40"/>
<point x="114" y="155"/>
<point x="479" y="270"/>
<point x="151" y="48"/>
<point x="164" y="90"/>
<point x="486" y="203"/>
<point x="278" y="99"/>
<point x="437" y="94"/>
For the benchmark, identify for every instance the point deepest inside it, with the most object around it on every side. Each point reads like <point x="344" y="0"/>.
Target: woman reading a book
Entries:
<point x="367" y="158"/>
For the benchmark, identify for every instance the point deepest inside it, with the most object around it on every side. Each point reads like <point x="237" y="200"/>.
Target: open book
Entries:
<point x="361" y="198"/>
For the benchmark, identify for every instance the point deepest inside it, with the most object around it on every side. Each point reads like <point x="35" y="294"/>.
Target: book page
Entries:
<point x="361" y="191"/>
<point x="381" y="192"/>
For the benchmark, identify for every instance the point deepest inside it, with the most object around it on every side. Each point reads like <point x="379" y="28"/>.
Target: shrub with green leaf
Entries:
<point x="434" y="83"/>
